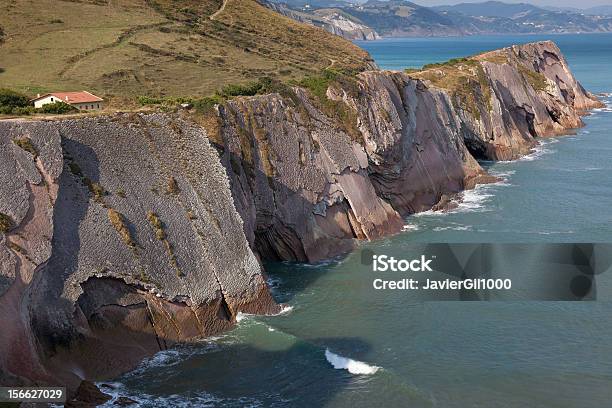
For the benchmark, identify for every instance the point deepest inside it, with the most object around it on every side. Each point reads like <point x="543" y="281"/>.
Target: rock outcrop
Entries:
<point x="307" y="187"/>
<point x="122" y="241"/>
<point x="122" y="235"/>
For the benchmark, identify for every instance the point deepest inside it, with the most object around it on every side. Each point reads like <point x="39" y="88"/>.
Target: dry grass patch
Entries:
<point x="26" y="144"/>
<point x="119" y="223"/>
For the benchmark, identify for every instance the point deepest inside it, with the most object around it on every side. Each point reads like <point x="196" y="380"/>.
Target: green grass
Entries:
<point x="317" y="86"/>
<point x="464" y="79"/>
<point x="535" y="79"/>
<point x="123" y="49"/>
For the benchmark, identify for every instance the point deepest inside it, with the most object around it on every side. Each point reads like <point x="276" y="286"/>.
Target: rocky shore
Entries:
<point x="122" y="235"/>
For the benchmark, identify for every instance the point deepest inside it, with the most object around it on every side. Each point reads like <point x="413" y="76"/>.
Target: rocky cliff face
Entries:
<point x="307" y="187"/>
<point x="331" y="20"/>
<point x="120" y="239"/>
<point x="121" y="235"/>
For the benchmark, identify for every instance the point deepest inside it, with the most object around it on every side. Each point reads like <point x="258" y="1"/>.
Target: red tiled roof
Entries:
<point x="73" y="97"/>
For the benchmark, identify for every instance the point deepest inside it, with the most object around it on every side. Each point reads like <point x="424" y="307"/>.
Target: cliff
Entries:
<point x="124" y="234"/>
<point x="334" y="20"/>
<point x="120" y="240"/>
<point x="311" y="177"/>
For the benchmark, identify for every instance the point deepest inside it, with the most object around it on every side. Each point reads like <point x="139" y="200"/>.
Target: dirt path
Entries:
<point x="214" y="15"/>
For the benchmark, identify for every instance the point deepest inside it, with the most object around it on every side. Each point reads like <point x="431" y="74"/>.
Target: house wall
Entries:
<point x="89" y="105"/>
<point x="80" y="106"/>
<point x="45" y="101"/>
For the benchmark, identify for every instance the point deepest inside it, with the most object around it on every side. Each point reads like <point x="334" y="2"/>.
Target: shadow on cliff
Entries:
<point x="51" y="313"/>
<point x="263" y="368"/>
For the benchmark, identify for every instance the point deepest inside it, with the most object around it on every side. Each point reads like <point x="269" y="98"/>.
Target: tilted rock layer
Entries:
<point x="124" y="241"/>
<point x="122" y="235"/>
<point x="307" y="187"/>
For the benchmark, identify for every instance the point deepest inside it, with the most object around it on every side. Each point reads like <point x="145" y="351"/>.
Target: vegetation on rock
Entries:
<point x="118" y="222"/>
<point x="26" y="144"/>
<point x="5" y="223"/>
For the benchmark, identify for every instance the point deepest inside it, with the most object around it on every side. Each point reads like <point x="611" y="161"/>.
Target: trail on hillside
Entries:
<point x="214" y="15"/>
<point x="72" y="61"/>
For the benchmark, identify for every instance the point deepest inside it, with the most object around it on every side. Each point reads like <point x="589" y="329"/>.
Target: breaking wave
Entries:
<point x="352" y="366"/>
<point x="119" y="392"/>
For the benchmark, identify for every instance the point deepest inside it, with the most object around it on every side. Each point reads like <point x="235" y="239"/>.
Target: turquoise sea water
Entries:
<point x="342" y="344"/>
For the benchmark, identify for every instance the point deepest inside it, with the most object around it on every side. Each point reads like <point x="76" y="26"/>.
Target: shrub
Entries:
<point x="248" y="89"/>
<point x="12" y="99"/>
<point x="206" y="104"/>
<point x="95" y="189"/>
<point x="157" y="225"/>
<point x="317" y="85"/>
<point x="57" y="108"/>
<point x="5" y="223"/>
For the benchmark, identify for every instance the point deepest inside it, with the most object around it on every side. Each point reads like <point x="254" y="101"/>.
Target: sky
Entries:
<point x="557" y="3"/>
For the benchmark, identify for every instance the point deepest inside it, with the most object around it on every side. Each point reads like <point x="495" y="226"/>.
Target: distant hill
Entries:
<point x="599" y="10"/>
<point x="159" y="47"/>
<point x="404" y="18"/>
<point x="490" y="9"/>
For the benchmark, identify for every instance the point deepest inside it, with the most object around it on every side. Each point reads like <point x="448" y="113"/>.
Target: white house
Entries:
<point x="82" y="100"/>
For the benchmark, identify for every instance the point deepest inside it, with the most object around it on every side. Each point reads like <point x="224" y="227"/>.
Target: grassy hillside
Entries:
<point x="125" y="48"/>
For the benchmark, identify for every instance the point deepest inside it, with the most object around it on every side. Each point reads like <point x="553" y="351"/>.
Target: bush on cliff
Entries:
<point x="5" y="223"/>
<point x="58" y="108"/>
<point x="11" y="100"/>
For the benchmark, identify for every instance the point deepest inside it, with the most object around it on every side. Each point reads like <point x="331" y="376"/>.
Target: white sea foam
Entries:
<point x="428" y="213"/>
<point x="242" y="316"/>
<point x="454" y="228"/>
<point x="194" y="399"/>
<point x="410" y="227"/>
<point x="352" y="366"/>
<point x="539" y="150"/>
<point x="285" y="309"/>
<point x="475" y="199"/>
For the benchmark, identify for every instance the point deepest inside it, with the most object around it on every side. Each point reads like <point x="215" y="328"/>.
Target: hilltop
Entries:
<point x="396" y="18"/>
<point x="174" y="48"/>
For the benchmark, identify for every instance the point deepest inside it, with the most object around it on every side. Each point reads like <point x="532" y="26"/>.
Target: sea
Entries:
<point x="341" y="343"/>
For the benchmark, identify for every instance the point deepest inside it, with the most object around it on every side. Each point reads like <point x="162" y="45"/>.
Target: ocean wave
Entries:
<point x="285" y="309"/>
<point x="539" y="151"/>
<point x="192" y="399"/>
<point x="429" y="213"/>
<point x="474" y="199"/>
<point x="453" y="228"/>
<point x="410" y="227"/>
<point x="352" y="366"/>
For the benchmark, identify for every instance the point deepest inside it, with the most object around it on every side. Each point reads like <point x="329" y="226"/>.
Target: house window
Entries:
<point x="98" y="106"/>
<point x="92" y="107"/>
<point x="51" y="99"/>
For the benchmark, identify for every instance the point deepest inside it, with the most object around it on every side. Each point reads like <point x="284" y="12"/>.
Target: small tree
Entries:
<point x="11" y="99"/>
<point x="57" y="107"/>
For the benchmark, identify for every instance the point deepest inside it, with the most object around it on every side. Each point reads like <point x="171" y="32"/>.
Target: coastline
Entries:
<point x="302" y="185"/>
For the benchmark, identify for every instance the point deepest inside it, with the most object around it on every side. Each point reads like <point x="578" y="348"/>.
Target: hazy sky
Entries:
<point x="557" y="3"/>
